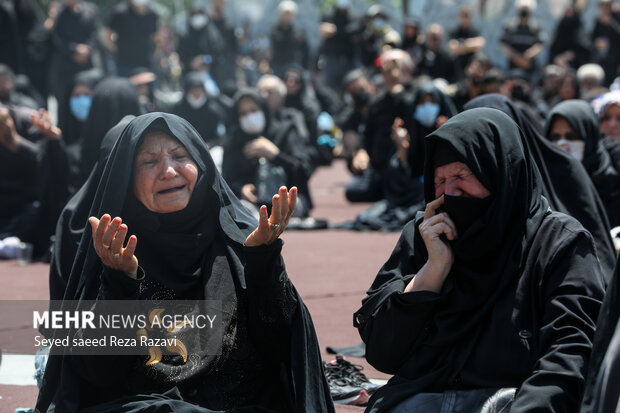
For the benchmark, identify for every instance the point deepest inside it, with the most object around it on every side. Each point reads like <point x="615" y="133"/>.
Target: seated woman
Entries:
<point x="487" y="290"/>
<point x="193" y="240"/>
<point x="262" y="152"/>
<point x="572" y="126"/>
<point x="562" y="177"/>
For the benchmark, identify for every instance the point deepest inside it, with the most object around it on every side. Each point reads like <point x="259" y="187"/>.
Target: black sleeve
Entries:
<point x="392" y="333"/>
<point x="271" y="298"/>
<point x="571" y="301"/>
<point x="391" y="321"/>
<point x="100" y="370"/>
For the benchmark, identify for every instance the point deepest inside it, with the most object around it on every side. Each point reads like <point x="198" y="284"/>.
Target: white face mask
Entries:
<point x="253" y="123"/>
<point x="196" y="102"/>
<point x="198" y="21"/>
<point x="575" y="148"/>
<point x="140" y="3"/>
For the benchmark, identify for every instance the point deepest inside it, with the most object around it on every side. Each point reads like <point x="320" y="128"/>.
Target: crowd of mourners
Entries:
<point x="505" y="183"/>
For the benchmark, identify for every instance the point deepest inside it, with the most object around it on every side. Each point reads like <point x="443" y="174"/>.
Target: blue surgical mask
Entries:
<point x="80" y="106"/>
<point x="426" y="114"/>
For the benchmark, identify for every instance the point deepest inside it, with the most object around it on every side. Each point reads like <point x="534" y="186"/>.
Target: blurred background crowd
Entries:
<point x="278" y="89"/>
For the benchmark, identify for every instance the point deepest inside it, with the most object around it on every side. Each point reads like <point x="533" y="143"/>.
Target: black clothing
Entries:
<point x="134" y="36"/>
<point x="306" y="102"/>
<point x="197" y="252"/>
<point x="211" y="119"/>
<point x="439" y="64"/>
<point x="383" y="109"/>
<point x="461" y="34"/>
<point x="517" y="307"/>
<point x="284" y="133"/>
<point x="520" y="38"/>
<point x="570" y="36"/>
<point x="564" y="181"/>
<point x="418" y="131"/>
<point x="72" y="127"/>
<point x="217" y="41"/>
<point x="113" y="99"/>
<point x="342" y="43"/>
<point x="606" y="341"/>
<point x="288" y="45"/>
<point x="11" y="48"/>
<point x="19" y="183"/>
<point x="608" y="59"/>
<point x="70" y="30"/>
<point x="605" y="174"/>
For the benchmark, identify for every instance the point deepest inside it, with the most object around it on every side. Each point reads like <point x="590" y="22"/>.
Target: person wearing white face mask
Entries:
<point x="130" y="35"/>
<point x="573" y="126"/>
<point x="262" y="152"/>
<point x="208" y="114"/>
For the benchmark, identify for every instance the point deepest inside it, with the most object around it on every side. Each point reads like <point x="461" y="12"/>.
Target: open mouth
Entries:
<point x="171" y="190"/>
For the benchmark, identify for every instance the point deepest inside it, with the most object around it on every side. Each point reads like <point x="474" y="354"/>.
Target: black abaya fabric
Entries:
<point x="113" y="98"/>
<point x="606" y="328"/>
<point x="605" y="174"/>
<point x="564" y="181"/>
<point x="195" y="253"/>
<point x="70" y="227"/>
<point x="517" y="307"/>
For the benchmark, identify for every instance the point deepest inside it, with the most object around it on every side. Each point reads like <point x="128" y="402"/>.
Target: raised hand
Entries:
<point x="109" y="238"/>
<point x="270" y="228"/>
<point x="43" y="121"/>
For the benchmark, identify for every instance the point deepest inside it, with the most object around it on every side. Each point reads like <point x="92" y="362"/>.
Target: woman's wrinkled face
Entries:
<point x="456" y="179"/>
<point x="164" y="174"/>
<point x="610" y="122"/>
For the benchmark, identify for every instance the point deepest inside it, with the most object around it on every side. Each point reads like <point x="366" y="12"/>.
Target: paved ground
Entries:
<point x="331" y="269"/>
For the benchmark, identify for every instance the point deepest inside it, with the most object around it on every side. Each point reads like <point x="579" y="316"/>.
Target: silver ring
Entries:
<point x="275" y="226"/>
<point x="117" y="256"/>
<point x="106" y="246"/>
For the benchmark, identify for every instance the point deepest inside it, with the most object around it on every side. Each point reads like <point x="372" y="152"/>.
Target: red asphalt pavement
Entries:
<point x="330" y="268"/>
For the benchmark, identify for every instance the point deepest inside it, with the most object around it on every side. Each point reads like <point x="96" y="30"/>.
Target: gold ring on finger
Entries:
<point x="117" y="256"/>
<point x="275" y="226"/>
<point x="106" y="246"/>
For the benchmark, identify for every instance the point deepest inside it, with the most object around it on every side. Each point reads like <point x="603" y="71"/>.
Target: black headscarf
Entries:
<point x="596" y="158"/>
<point x="564" y="181"/>
<point x="606" y="326"/>
<point x="113" y="98"/>
<point x="70" y="126"/>
<point x="489" y="255"/>
<point x="418" y="131"/>
<point x="184" y="243"/>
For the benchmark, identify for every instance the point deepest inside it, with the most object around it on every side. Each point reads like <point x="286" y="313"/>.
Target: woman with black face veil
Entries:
<point x="488" y="293"/>
<point x="194" y="240"/>
<point x="573" y="127"/>
<point x="564" y="181"/>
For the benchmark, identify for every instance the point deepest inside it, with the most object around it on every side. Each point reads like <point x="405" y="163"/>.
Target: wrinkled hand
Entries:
<point x="270" y="228"/>
<point x="440" y="256"/>
<point x="8" y="135"/>
<point x="261" y="147"/>
<point x="108" y="239"/>
<point x="248" y="192"/>
<point x="361" y="161"/>
<point x="43" y="121"/>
